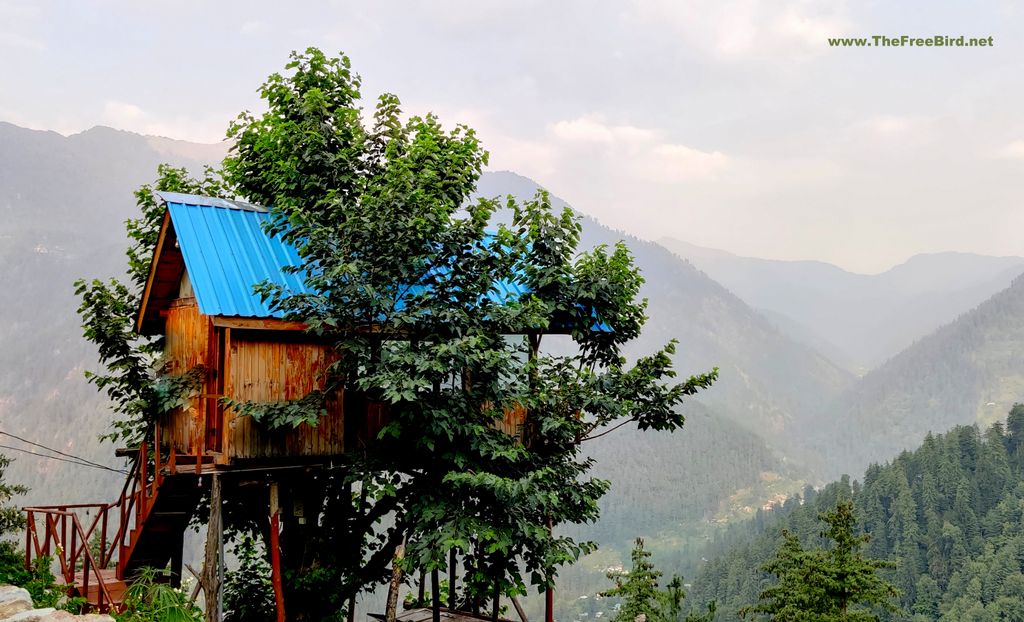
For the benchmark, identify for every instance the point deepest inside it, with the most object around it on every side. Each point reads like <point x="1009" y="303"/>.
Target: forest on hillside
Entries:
<point x="949" y="516"/>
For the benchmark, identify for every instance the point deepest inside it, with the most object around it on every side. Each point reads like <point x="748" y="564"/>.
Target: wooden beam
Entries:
<point x="152" y="269"/>
<point x="256" y="323"/>
<point x="435" y="594"/>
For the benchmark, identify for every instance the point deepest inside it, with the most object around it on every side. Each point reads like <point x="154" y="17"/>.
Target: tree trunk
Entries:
<point x="396" y="581"/>
<point x="211" y="560"/>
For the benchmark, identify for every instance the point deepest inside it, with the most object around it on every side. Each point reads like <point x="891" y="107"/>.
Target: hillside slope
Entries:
<point x="971" y="370"/>
<point x="950" y="515"/>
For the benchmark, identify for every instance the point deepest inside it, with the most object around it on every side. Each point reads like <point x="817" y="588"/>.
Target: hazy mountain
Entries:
<point x="858" y="320"/>
<point x="971" y="370"/>
<point x="63" y="201"/>
<point x="768" y="382"/>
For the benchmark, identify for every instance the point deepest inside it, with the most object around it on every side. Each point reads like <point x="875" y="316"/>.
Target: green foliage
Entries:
<point x="150" y="600"/>
<point x="288" y="414"/>
<point x="827" y="584"/>
<point x="401" y="273"/>
<point x="248" y="592"/>
<point x="640" y="595"/>
<point x="38" y="579"/>
<point x="11" y="518"/>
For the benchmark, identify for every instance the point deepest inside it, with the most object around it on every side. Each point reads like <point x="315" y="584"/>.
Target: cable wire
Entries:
<point x="69" y="458"/>
<point x="56" y="451"/>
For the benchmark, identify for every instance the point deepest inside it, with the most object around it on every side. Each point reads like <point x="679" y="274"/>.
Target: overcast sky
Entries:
<point x="726" y="123"/>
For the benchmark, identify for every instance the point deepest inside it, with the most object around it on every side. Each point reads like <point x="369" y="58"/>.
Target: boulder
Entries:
<point x="13" y="600"/>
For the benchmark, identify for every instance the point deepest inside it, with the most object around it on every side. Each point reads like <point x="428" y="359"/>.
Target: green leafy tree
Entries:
<point x="401" y="273"/>
<point x="827" y="584"/>
<point x="641" y="596"/>
<point x="248" y="592"/>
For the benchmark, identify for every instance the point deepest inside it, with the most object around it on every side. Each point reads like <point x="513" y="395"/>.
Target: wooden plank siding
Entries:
<point x="263" y="366"/>
<point x="186" y="346"/>
<point x="276" y="367"/>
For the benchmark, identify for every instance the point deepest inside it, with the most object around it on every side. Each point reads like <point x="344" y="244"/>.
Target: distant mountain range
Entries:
<point x="858" y="320"/>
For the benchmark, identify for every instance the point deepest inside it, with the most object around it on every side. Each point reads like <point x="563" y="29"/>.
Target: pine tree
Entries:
<point x="835" y="584"/>
<point x="640" y="595"/>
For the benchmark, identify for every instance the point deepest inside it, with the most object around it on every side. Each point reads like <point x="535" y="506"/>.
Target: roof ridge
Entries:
<point x="204" y="201"/>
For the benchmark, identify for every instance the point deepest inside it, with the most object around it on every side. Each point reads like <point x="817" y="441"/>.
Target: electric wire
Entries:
<point x="61" y="457"/>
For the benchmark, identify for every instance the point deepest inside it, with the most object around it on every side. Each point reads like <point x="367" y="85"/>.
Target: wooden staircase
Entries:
<point x="148" y="522"/>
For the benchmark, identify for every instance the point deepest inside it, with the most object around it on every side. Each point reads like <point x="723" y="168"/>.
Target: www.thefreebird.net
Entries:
<point x="899" y="41"/>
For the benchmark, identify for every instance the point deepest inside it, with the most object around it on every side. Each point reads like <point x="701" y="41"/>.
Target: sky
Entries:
<point x="729" y="124"/>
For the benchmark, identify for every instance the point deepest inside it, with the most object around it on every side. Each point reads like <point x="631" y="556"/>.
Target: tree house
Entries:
<point x="199" y="296"/>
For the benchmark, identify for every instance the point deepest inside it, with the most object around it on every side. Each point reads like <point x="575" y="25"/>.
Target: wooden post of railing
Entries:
<point x="143" y="460"/>
<point x="73" y="550"/>
<point x="103" y="537"/>
<point x="30" y="526"/>
<point x="156" y="450"/>
<point x="85" y="584"/>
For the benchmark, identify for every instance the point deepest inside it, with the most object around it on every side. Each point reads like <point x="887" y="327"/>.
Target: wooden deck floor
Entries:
<point x="115" y="587"/>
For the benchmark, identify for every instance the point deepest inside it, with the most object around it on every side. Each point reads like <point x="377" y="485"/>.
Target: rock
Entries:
<point x="13" y="600"/>
<point x="33" y="615"/>
<point x="16" y="606"/>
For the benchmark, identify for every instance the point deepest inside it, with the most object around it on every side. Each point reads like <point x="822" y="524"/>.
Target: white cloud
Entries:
<point x="642" y="152"/>
<point x="671" y="163"/>
<point x="749" y="30"/>
<point x="253" y="28"/>
<point x="1013" y="150"/>
<point x="122" y="113"/>
<point x="592" y="128"/>
<point x="15" y="40"/>
<point x="895" y="125"/>
<point x="131" y="117"/>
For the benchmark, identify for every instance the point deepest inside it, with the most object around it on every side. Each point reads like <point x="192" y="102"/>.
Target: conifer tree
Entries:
<point x="641" y="596"/>
<point x="835" y="584"/>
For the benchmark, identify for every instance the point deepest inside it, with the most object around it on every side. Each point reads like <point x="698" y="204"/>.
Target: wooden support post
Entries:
<point x="212" y="559"/>
<point x="497" y="603"/>
<point x="452" y="605"/>
<point x="391" y="612"/>
<point x="176" y="560"/>
<point x="549" y="595"/>
<point x="275" y="550"/>
<point x="435" y="594"/>
<point x="421" y="597"/>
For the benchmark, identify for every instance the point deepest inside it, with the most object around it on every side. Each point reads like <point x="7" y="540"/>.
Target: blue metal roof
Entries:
<point x="227" y="252"/>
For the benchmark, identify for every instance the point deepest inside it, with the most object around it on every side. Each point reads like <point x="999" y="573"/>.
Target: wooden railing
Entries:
<point x="57" y="531"/>
<point x="65" y="539"/>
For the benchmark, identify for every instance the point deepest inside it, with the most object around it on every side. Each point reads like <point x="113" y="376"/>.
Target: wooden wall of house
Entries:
<point x="187" y="345"/>
<point x="270" y="366"/>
